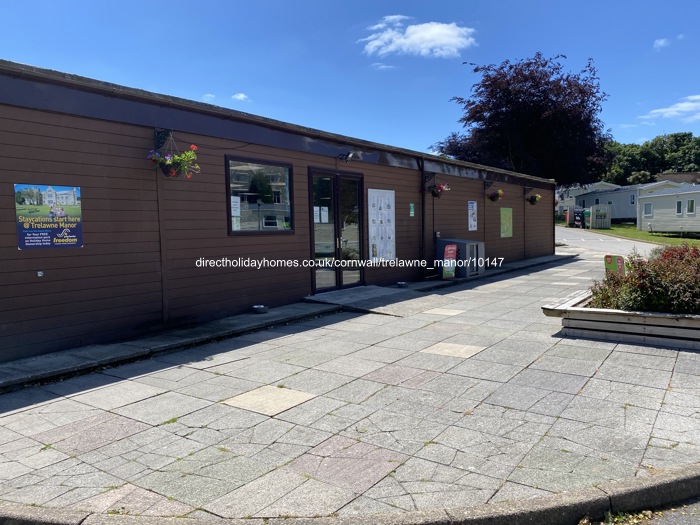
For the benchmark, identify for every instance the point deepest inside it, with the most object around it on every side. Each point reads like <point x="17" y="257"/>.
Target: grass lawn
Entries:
<point x="629" y="231"/>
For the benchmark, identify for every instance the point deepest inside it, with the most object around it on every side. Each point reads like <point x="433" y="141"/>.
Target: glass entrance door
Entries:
<point x="336" y="230"/>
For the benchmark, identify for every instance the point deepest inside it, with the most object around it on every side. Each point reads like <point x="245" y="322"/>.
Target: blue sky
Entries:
<point x="376" y="70"/>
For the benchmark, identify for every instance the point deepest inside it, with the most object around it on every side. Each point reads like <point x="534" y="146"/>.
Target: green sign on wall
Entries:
<point x="506" y="222"/>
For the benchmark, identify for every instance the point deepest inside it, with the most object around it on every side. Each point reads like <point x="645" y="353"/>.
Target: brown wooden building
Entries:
<point x="142" y="249"/>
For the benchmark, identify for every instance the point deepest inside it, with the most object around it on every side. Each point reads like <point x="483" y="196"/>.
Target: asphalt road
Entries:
<point x="600" y="242"/>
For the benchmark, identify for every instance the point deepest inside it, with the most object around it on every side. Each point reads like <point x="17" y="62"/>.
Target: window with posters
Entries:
<point x="259" y="195"/>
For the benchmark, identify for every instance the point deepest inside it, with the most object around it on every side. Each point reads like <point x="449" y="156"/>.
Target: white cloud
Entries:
<point x="241" y="97"/>
<point x="432" y="39"/>
<point x="661" y="43"/>
<point x="208" y="98"/>
<point x="381" y="66"/>
<point x="680" y="37"/>
<point x="687" y="110"/>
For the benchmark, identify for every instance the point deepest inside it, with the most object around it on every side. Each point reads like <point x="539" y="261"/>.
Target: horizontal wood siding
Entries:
<point x="144" y="233"/>
<point x="111" y="287"/>
<point x="195" y="226"/>
<point x="510" y="248"/>
<point x="449" y="213"/>
<point x="406" y="185"/>
<point x="539" y="225"/>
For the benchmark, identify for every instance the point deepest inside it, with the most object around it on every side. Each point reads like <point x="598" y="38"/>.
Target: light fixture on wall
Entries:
<point x="347" y="157"/>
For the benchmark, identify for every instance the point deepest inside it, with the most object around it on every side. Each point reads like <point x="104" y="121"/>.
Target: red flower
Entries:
<point x="188" y="176"/>
<point x="172" y="172"/>
<point x="193" y="147"/>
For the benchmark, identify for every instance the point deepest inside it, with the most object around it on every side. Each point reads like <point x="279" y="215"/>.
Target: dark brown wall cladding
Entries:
<point x="449" y="213"/>
<point x="406" y="185"/>
<point x="112" y="286"/>
<point x="144" y="234"/>
<point x="510" y="248"/>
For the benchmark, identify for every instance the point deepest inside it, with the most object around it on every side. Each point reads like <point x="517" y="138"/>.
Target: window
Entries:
<point x="632" y="197"/>
<point x="690" y="207"/>
<point x="597" y="201"/>
<point x="679" y="207"/>
<point x="648" y="209"/>
<point x="259" y="195"/>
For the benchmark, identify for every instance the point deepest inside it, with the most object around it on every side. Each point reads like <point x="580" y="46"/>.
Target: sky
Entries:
<point x="371" y="69"/>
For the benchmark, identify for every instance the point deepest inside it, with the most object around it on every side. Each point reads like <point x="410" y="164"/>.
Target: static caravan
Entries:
<point x="622" y="200"/>
<point x="567" y="196"/>
<point x="670" y="210"/>
<point x="98" y="244"/>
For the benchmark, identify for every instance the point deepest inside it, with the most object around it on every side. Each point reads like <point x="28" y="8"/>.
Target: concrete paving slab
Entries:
<point x="269" y="400"/>
<point x="465" y="395"/>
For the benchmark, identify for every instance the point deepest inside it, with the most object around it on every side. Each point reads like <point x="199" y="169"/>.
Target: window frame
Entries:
<point x="633" y="200"/>
<point x="679" y="204"/>
<point x="290" y="188"/>
<point x="687" y="207"/>
<point x="651" y="209"/>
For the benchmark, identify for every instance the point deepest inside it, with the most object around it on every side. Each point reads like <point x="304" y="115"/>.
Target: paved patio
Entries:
<point x="445" y="399"/>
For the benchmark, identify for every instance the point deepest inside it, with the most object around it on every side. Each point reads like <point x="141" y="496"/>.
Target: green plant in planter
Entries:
<point x="174" y="164"/>
<point x="667" y="283"/>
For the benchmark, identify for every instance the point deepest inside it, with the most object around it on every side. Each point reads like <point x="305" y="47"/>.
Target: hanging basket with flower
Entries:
<point x="496" y="195"/>
<point x="534" y="199"/>
<point x="171" y="162"/>
<point x="437" y="189"/>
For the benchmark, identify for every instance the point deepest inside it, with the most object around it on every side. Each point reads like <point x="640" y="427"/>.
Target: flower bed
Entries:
<point x="656" y="301"/>
<point x="579" y="320"/>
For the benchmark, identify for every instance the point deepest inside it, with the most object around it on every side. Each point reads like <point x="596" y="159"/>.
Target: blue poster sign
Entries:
<point x="48" y="216"/>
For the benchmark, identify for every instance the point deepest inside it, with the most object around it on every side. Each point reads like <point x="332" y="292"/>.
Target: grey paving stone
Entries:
<point x="218" y="388"/>
<point x="553" y="404"/>
<point x="312" y="498"/>
<point x="83" y="436"/>
<point x="515" y="491"/>
<point x="310" y="411"/>
<point x="346" y="463"/>
<point x="598" y="441"/>
<point x="428" y="361"/>
<point x="356" y="391"/>
<point x="516" y="396"/>
<point x="624" y="393"/>
<point x="266" y="372"/>
<point x="555" y="381"/>
<point x="441" y="499"/>
<point x="305" y="358"/>
<point x="161" y="408"/>
<point x="565" y="365"/>
<point x="117" y="395"/>
<point x="596" y="355"/>
<point x="490" y="371"/>
<point x="405" y="343"/>
<point x="654" y="362"/>
<point x="367" y="506"/>
<point x="317" y="381"/>
<point x="499" y="353"/>
<point x="634" y="375"/>
<point x="350" y="366"/>
<point x="252" y="498"/>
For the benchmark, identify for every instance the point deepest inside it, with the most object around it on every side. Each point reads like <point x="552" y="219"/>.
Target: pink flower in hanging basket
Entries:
<point x="437" y="189"/>
<point x="174" y="164"/>
<point x="496" y="195"/>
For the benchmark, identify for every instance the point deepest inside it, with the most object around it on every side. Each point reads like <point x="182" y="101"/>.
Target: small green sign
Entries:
<point x="411" y="210"/>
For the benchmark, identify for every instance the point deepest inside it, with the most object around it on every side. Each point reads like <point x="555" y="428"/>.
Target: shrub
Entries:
<point x="667" y="283"/>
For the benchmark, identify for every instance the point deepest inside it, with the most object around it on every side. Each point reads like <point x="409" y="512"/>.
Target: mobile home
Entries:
<point x="670" y="210"/>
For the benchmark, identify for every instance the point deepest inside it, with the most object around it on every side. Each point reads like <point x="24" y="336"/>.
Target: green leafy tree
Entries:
<point x="533" y="117"/>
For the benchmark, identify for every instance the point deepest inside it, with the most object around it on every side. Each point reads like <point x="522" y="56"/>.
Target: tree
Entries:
<point x="532" y="117"/>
